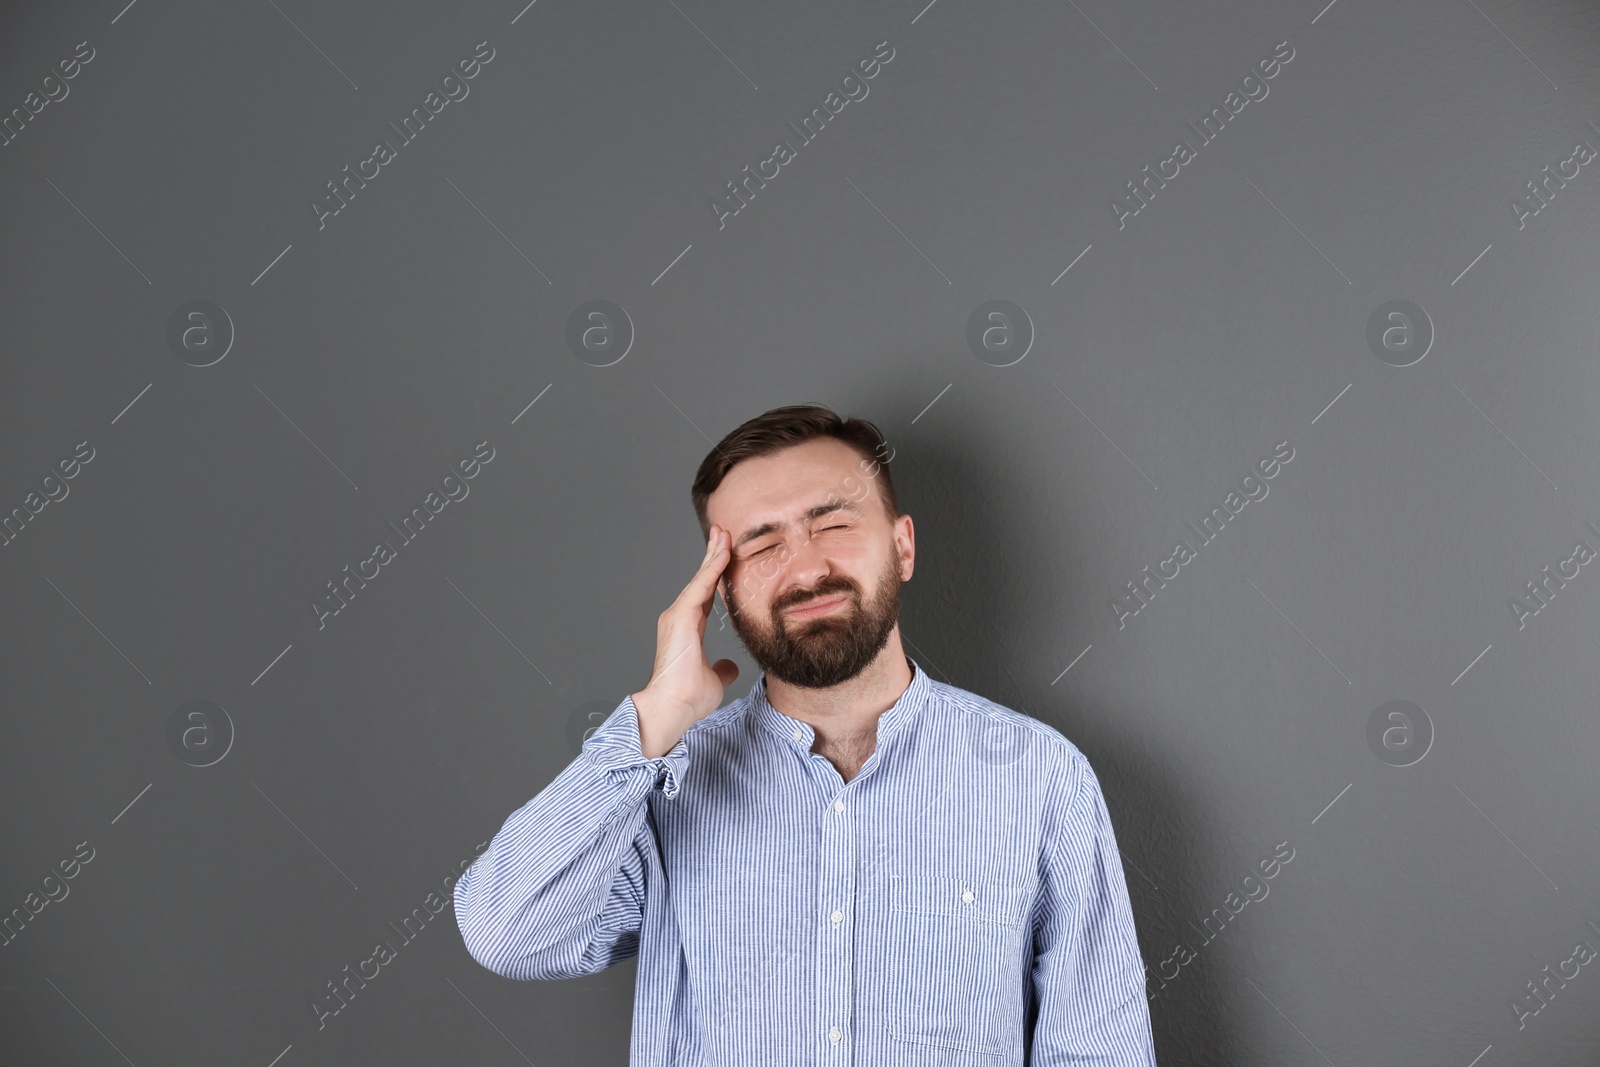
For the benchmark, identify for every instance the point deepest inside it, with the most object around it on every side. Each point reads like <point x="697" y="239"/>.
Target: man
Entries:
<point x="854" y="864"/>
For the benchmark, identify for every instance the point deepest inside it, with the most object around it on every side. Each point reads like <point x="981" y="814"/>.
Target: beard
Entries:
<point x="824" y="651"/>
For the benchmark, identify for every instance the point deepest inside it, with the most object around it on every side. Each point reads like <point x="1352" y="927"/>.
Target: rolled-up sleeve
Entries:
<point x="560" y="890"/>
<point x="1088" y="990"/>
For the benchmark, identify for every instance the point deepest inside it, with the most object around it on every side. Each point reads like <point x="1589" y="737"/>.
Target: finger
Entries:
<point x="716" y="550"/>
<point x="704" y="583"/>
<point x="727" y="671"/>
<point x="693" y="605"/>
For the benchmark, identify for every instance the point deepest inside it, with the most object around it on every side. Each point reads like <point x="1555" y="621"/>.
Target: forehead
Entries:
<point x="784" y="483"/>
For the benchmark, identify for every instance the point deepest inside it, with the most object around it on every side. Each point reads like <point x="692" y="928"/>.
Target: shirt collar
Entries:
<point x="797" y="732"/>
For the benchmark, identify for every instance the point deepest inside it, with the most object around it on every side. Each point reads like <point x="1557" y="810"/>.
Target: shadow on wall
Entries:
<point x="977" y="613"/>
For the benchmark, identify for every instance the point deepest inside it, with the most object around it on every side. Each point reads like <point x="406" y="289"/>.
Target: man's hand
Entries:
<point x="684" y="685"/>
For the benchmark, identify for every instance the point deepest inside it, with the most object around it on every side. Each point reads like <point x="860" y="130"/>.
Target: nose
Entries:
<point x="807" y="565"/>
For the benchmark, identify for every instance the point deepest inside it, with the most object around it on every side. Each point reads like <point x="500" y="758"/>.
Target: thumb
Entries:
<point x="726" y="671"/>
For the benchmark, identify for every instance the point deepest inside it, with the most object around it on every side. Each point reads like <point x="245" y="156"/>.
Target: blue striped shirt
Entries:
<point x="959" y="901"/>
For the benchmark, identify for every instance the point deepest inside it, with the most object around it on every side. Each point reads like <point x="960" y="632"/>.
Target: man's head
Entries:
<point x="806" y="498"/>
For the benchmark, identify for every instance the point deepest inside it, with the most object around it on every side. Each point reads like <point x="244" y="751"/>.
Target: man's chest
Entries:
<point x="903" y="907"/>
<point x="795" y="842"/>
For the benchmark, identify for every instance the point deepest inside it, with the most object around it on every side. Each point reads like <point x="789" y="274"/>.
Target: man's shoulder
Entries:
<point x="1003" y="735"/>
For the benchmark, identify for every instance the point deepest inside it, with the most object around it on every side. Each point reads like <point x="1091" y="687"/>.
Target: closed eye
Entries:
<point x="825" y="529"/>
<point x="769" y="548"/>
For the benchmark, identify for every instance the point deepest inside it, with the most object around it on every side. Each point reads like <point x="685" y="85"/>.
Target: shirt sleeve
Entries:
<point x="1088" y="977"/>
<point x="560" y="890"/>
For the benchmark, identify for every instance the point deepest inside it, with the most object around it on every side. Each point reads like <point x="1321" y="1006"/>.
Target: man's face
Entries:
<point x="813" y="588"/>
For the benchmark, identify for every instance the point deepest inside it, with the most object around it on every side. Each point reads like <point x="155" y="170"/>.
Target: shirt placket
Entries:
<point x="836" y="906"/>
<point x="836" y="942"/>
<point x="834" y="1022"/>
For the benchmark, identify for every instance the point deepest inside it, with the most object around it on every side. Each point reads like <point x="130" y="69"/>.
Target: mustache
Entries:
<point x="826" y="588"/>
<point x="821" y="591"/>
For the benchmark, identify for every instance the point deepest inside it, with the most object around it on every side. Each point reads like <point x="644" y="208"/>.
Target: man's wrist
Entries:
<point x="654" y="741"/>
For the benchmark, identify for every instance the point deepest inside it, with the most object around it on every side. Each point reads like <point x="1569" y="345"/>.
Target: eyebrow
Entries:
<point x="816" y="512"/>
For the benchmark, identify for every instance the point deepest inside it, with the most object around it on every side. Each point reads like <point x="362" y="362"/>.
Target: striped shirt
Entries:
<point x="959" y="901"/>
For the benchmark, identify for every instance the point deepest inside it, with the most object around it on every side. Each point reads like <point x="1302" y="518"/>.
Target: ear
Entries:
<point x="905" y="543"/>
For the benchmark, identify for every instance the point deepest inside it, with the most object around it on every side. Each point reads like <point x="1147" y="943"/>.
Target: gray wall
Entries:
<point x="248" y="390"/>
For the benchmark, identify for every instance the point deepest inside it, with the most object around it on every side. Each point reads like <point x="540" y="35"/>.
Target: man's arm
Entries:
<point x="1088" y="977"/>
<point x="560" y="891"/>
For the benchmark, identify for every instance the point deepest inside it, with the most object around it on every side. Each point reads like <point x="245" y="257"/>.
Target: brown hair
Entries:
<point x="784" y="427"/>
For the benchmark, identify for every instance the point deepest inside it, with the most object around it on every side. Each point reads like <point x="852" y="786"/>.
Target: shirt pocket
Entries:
<point x="958" y="940"/>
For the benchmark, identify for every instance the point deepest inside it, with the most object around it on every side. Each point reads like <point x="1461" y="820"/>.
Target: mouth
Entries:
<point x="817" y="607"/>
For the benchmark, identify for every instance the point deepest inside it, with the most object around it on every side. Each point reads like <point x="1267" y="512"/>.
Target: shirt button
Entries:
<point x="798" y="733"/>
<point x="837" y="917"/>
<point x="967" y="898"/>
<point x="834" y="1034"/>
<point x="838" y="805"/>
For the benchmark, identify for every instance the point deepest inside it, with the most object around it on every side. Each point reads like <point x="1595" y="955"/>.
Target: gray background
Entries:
<point x="363" y="763"/>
